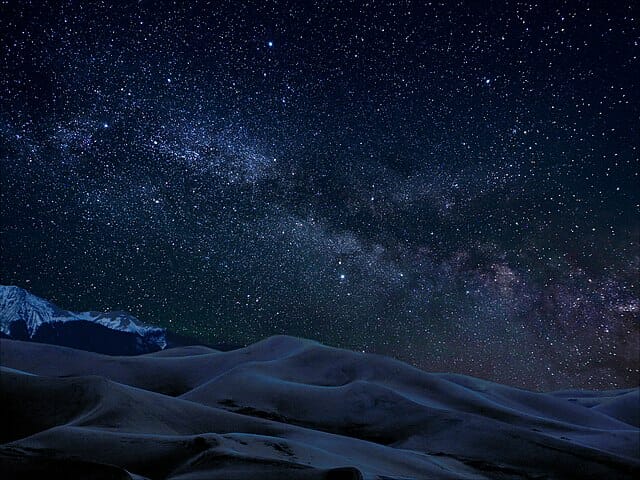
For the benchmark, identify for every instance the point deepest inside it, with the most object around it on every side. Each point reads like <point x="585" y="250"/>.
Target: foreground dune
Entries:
<point x="292" y="408"/>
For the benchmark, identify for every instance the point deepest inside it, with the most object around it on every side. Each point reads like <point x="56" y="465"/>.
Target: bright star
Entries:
<point x="270" y="44"/>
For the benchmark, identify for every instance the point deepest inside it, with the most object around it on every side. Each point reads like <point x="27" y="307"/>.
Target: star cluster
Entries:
<point x="451" y="183"/>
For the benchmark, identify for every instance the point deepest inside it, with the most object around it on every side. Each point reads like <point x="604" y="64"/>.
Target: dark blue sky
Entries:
<point x="450" y="183"/>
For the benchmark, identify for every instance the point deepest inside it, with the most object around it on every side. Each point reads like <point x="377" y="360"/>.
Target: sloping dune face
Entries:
<point x="287" y="408"/>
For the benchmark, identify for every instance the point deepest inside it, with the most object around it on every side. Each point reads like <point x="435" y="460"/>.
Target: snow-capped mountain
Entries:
<point x="25" y="316"/>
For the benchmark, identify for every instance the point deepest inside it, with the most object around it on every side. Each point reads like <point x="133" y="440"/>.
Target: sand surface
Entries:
<point x="289" y="408"/>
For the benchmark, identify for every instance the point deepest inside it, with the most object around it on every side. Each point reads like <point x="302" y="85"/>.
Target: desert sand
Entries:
<point x="289" y="408"/>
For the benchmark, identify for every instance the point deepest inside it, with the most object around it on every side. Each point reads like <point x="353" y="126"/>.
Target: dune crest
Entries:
<point x="293" y="408"/>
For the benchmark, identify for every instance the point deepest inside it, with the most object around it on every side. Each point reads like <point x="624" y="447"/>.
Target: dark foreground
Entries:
<point x="287" y="408"/>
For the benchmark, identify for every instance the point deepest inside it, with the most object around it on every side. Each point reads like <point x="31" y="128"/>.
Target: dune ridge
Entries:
<point x="292" y="408"/>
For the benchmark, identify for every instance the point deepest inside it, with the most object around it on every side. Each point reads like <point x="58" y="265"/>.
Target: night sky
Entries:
<point x="454" y="184"/>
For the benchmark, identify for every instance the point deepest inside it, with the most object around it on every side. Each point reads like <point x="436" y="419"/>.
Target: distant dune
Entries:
<point x="287" y="408"/>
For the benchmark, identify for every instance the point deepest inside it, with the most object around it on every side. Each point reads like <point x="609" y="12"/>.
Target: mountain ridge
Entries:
<point x="25" y="316"/>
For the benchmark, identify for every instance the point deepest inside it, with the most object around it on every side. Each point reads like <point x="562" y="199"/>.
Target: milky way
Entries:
<point x="453" y="184"/>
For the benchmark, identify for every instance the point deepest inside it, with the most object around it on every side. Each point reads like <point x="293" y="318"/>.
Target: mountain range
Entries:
<point x="24" y="316"/>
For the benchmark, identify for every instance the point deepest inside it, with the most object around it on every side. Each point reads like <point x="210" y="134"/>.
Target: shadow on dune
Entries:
<point x="292" y="408"/>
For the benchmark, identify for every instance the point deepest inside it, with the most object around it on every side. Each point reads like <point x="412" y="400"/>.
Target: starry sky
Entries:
<point x="454" y="184"/>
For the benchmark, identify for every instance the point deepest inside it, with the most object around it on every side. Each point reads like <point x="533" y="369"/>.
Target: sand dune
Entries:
<point x="293" y="408"/>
